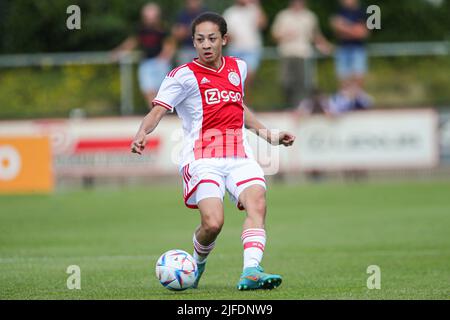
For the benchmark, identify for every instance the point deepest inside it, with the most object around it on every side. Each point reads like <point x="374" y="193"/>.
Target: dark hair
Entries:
<point x="211" y="17"/>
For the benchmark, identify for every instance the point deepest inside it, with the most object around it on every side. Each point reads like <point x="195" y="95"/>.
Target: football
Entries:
<point x="176" y="270"/>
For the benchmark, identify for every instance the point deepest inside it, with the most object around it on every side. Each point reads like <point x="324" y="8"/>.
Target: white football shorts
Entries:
<point x="211" y="177"/>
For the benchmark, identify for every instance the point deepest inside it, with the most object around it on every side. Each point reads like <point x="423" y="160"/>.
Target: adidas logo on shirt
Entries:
<point x="204" y="80"/>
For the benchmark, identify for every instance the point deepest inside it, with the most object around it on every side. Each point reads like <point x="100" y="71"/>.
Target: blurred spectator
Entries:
<point x="343" y="102"/>
<point x="321" y="103"/>
<point x="246" y="19"/>
<point x="349" y="25"/>
<point x="158" y="49"/>
<point x="295" y="29"/>
<point x="316" y="103"/>
<point x="182" y="30"/>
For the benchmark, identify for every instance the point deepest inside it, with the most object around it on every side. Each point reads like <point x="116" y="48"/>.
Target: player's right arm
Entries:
<point x="149" y="124"/>
<point x="170" y="95"/>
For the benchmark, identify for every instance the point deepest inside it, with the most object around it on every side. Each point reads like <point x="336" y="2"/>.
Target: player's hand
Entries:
<point x="286" y="138"/>
<point x="138" y="144"/>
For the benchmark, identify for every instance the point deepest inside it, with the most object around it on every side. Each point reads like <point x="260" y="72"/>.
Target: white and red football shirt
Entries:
<point x="210" y="104"/>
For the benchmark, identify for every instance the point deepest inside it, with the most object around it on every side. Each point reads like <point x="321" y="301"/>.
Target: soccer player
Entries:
<point x="207" y="94"/>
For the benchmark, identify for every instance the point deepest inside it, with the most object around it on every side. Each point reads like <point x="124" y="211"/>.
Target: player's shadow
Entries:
<point x="187" y="292"/>
<point x="204" y="290"/>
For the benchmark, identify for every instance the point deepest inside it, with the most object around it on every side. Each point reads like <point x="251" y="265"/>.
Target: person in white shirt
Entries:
<point x="296" y="29"/>
<point x="246" y="19"/>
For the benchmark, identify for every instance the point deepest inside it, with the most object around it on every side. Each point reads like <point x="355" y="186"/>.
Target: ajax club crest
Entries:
<point x="234" y="78"/>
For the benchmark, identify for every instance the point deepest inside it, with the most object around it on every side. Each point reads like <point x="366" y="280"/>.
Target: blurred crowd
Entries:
<point x="295" y="30"/>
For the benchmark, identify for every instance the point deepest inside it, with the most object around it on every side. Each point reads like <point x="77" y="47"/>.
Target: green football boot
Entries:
<point x="253" y="278"/>
<point x="200" y="270"/>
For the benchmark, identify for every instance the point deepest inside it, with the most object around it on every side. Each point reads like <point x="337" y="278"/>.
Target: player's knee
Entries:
<point x="212" y="225"/>
<point x="260" y="206"/>
<point x="213" y="228"/>
<point x="257" y="203"/>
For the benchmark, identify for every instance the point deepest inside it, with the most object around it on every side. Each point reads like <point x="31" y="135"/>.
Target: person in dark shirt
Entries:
<point x="349" y="25"/>
<point x="157" y="48"/>
<point x="182" y="30"/>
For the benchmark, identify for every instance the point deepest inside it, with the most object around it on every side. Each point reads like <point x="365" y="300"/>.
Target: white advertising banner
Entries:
<point x="444" y="133"/>
<point x="101" y="147"/>
<point x="273" y="159"/>
<point x="369" y="140"/>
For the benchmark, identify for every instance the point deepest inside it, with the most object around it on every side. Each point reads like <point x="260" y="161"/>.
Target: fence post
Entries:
<point x="310" y="74"/>
<point x="314" y="73"/>
<point x="126" y="85"/>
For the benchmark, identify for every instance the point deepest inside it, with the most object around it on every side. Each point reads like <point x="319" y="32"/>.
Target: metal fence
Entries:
<point x="127" y="62"/>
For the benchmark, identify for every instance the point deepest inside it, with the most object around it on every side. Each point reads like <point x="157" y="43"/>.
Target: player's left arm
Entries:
<point x="251" y="122"/>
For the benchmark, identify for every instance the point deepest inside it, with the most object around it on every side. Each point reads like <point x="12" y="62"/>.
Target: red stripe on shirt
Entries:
<point x="162" y="104"/>
<point x="221" y="133"/>
<point x="174" y="71"/>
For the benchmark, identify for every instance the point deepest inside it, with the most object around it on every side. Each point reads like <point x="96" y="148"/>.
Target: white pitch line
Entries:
<point x="47" y="258"/>
<point x="25" y="259"/>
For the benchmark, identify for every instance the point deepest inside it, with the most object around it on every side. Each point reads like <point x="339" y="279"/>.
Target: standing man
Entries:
<point x="158" y="49"/>
<point x="182" y="30"/>
<point x="208" y="96"/>
<point x="349" y="25"/>
<point x="295" y="29"/>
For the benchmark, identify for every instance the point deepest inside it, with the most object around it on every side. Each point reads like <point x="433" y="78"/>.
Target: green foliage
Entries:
<point x="399" y="82"/>
<point x="417" y="20"/>
<point x="393" y="82"/>
<point x="40" y="26"/>
<point x="54" y="92"/>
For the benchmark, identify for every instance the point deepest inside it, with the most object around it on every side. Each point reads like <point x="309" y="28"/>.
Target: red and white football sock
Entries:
<point x="254" y="241"/>
<point x="200" y="251"/>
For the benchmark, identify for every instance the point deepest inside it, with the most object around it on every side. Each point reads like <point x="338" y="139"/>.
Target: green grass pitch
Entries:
<point x="321" y="239"/>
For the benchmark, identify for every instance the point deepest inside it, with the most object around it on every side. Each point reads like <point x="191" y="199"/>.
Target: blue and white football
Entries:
<point x="176" y="270"/>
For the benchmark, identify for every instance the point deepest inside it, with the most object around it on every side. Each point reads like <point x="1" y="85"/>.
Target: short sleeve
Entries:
<point x="170" y="94"/>
<point x="242" y="65"/>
